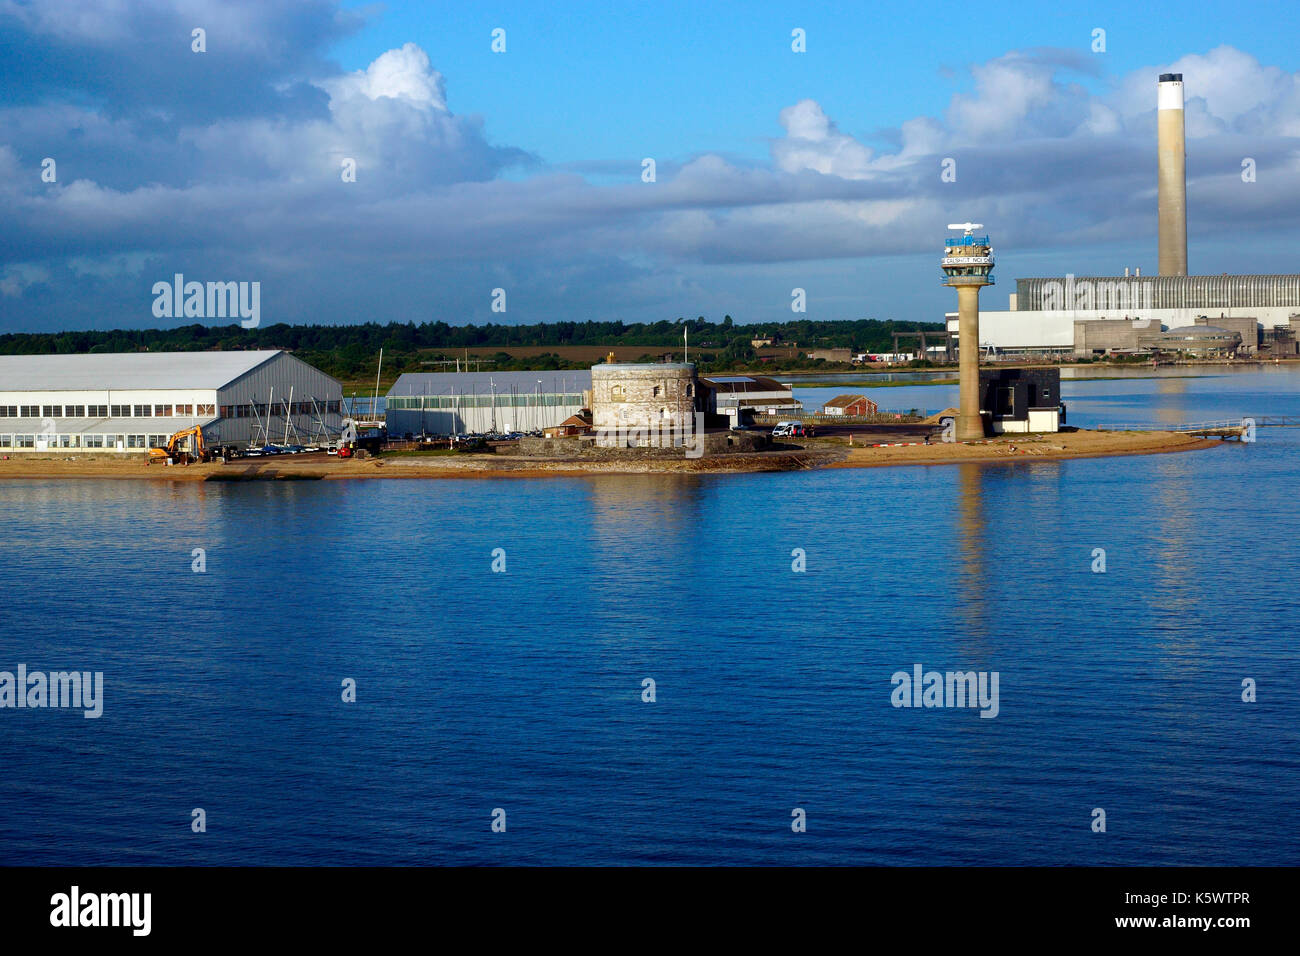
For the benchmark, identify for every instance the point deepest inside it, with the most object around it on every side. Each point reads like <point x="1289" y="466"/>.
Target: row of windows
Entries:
<point x="84" y="441"/>
<point x="295" y="408"/>
<point x="105" y="411"/>
<point x="519" y="400"/>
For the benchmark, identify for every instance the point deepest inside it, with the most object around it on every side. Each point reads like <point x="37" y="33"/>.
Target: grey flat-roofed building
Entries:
<point x="447" y="403"/>
<point x="130" y="402"/>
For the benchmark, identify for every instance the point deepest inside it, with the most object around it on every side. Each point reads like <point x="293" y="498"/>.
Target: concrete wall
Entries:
<point x="1091" y="335"/>
<point x="714" y="443"/>
<point x="1246" y="326"/>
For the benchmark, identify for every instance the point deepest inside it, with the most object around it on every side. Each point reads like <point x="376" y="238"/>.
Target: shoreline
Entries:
<point x="1062" y="446"/>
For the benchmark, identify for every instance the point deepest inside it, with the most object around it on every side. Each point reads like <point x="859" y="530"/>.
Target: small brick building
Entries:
<point x="850" y="405"/>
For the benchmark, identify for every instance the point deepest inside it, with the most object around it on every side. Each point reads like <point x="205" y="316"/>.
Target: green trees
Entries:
<point x="350" y="351"/>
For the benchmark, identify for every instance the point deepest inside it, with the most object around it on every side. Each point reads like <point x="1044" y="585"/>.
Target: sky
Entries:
<point x="128" y="156"/>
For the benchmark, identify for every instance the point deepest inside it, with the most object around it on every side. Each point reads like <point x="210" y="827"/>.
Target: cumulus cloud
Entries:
<point x="812" y="141"/>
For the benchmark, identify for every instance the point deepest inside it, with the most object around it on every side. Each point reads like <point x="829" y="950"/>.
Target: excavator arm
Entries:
<point x="198" y="450"/>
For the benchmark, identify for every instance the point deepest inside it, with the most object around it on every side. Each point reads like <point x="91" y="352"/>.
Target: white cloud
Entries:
<point x="812" y="141"/>
<point x="404" y="73"/>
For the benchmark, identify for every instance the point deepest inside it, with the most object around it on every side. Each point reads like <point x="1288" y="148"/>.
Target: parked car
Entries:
<point x="788" y="430"/>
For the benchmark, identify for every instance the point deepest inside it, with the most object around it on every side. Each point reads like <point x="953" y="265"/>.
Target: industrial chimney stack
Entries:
<point x="1171" y="145"/>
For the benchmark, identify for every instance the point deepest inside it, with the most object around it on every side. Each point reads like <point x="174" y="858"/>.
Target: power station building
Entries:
<point x="454" y="403"/>
<point x="135" y="401"/>
<point x="1061" y="315"/>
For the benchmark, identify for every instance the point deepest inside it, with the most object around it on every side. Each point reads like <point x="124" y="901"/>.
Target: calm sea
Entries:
<point x="522" y="690"/>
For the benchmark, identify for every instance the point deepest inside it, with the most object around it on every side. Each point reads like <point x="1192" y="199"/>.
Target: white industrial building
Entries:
<point x="455" y="403"/>
<point x="131" y="402"/>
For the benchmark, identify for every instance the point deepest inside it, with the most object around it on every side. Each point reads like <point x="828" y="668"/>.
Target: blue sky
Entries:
<point x="522" y="170"/>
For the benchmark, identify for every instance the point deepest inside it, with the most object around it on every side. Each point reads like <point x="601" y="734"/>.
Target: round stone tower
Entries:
<point x="643" y="405"/>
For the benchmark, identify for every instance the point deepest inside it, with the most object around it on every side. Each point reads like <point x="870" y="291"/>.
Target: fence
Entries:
<point x="1236" y="423"/>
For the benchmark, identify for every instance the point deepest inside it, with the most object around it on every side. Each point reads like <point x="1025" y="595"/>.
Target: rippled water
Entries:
<point x="522" y="690"/>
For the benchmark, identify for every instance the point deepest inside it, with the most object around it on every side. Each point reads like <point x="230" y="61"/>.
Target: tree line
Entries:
<point x="349" y="351"/>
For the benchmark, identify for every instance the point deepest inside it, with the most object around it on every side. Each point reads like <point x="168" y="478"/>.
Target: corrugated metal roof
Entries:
<point x="484" y="383"/>
<point x="126" y="370"/>
<point x="746" y="384"/>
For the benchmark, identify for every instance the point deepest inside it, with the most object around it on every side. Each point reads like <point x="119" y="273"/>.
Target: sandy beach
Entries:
<point x="811" y="455"/>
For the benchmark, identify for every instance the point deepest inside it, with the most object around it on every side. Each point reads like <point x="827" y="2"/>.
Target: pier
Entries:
<point x="1224" y="429"/>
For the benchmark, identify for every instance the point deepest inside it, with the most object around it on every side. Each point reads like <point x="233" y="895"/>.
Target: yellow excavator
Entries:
<point x="184" y="447"/>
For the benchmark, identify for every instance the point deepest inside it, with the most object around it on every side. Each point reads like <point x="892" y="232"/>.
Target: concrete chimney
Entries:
<point x="1171" y="147"/>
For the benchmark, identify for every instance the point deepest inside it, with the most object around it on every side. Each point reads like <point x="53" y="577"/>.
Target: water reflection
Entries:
<point x="643" y="540"/>
<point x="973" y="579"/>
<point x="1171" y="407"/>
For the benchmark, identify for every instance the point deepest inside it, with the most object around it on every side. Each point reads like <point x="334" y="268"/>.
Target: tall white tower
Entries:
<point x="1171" y="202"/>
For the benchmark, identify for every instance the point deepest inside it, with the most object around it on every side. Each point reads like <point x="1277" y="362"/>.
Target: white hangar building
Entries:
<point x="130" y="402"/>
